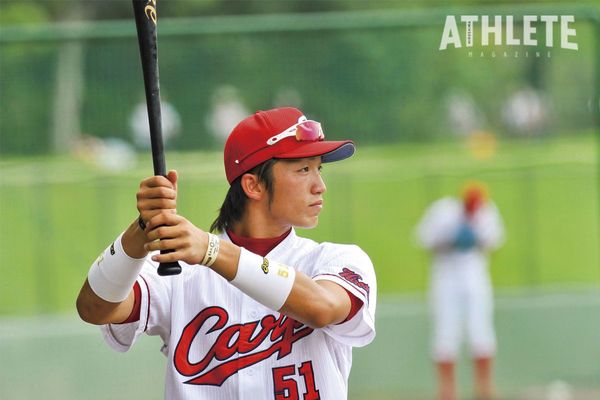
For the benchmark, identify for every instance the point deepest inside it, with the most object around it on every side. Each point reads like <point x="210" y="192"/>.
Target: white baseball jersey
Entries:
<point x="223" y="345"/>
<point x="460" y="287"/>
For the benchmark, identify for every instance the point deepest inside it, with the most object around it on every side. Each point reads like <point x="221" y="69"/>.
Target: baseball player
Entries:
<point x="460" y="233"/>
<point x="258" y="312"/>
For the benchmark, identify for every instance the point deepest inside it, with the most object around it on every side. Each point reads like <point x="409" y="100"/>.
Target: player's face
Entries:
<point x="297" y="192"/>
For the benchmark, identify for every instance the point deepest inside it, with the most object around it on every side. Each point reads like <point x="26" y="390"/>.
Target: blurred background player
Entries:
<point x="140" y="128"/>
<point x="459" y="233"/>
<point x="227" y="109"/>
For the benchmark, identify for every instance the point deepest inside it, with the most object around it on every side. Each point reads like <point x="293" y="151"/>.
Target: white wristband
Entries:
<point x="267" y="282"/>
<point x="113" y="273"/>
<point x="212" y="250"/>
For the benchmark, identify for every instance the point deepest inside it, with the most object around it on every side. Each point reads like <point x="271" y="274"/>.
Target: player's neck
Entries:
<point x="258" y="222"/>
<point x="258" y="228"/>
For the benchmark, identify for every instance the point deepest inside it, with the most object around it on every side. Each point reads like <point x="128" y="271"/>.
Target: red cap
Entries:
<point x="247" y="147"/>
<point x="474" y="195"/>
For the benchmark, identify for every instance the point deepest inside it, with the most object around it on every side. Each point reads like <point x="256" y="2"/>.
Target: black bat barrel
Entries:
<point x="145" y="21"/>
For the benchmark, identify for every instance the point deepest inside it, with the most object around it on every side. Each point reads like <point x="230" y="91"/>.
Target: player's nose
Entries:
<point x="319" y="186"/>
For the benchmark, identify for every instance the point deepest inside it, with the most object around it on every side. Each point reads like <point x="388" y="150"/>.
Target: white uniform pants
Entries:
<point x="461" y="300"/>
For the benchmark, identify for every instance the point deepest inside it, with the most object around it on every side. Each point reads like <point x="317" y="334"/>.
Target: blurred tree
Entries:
<point x="69" y="82"/>
<point x="374" y="84"/>
<point x="56" y="9"/>
<point x="23" y="13"/>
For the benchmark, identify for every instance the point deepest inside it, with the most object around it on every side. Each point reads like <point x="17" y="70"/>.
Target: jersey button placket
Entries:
<point x="244" y="378"/>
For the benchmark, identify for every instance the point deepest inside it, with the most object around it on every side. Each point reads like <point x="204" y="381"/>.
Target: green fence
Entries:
<point x="512" y="116"/>
<point x="59" y="212"/>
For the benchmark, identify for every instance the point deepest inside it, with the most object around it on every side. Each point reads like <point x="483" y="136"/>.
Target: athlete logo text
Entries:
<point x="502" y="29"/>
<point x="235" y="346"/>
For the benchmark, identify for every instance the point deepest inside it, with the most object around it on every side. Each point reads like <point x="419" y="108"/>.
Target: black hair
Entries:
<point x="234" y="205"/>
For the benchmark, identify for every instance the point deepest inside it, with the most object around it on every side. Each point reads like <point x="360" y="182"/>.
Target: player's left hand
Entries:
<point x="168" y="231"/>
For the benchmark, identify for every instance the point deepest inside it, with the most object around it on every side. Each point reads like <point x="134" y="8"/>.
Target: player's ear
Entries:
<point x="252" y="186"/>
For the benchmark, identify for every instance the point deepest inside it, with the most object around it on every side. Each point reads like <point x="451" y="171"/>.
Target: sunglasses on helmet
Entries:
<point x="304" y="131"/>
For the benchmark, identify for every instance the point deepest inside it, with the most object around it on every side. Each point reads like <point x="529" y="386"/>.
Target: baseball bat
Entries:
<point x="145" y="22"/>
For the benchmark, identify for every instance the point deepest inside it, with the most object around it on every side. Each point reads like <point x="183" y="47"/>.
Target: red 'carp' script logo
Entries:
<point x="233" y="348"/>
<point x="355" y="279"/>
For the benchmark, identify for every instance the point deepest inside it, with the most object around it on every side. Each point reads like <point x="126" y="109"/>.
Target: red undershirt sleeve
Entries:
<point x="355" y="305"/>
<point x="135" y="311"/>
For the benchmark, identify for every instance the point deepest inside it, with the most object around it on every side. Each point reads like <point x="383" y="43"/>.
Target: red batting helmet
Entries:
<point x="278" y="133"/>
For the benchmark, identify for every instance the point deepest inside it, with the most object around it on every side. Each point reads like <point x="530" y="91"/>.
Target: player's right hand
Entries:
<point x="157" y="194"/>
<point x="168" y="231"/>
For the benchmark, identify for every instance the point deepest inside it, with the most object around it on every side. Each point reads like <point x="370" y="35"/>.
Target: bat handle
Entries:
<point x="170" y="268"/>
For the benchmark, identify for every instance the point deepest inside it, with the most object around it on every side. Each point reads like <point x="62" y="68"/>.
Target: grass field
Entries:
<point x="58" y="213"/>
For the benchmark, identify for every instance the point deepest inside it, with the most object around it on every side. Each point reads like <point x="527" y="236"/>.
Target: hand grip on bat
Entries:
<point x="164" y="269"/>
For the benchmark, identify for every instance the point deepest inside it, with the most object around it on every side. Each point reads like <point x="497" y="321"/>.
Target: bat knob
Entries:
<point x="166" y="269"/>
